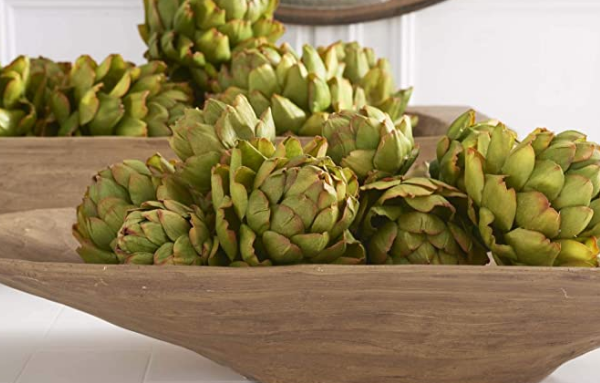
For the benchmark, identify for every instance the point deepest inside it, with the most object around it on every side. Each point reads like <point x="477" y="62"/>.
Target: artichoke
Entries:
<point x="44" y="98"/>
<point x="203" y="138"/>
<point x="535" y="202"/>
<point x="114" y="192"/>
<point x="17" y="113"/>
<point x="167" y="232"/>
<point x="194" y="37"/>
<point x="116" y="98"/>
<point x="417" y="221"/>
<point x="301" y="91"/>
<point x="285" y="205"/>
<point x="369" y="144"/>
<point x="372" y="77"/>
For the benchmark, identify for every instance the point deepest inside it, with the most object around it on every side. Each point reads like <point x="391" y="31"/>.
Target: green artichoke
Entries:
<point x="204" y="138"/>
<point x="415" y="221"/>
<point x="167" y="232"/>
<point x="114" y="192"/>
<point x="194" y="37"/>
<point x="44" y="98"/>
<point x="535" y="202"/>
<point x="117" y="98"/>
<point x="284" y="205"/>
<point x="371" y="77"/>
<point x="369" y="144"/>
<point x="301" y="91"/>
<point x="17" y="113"/>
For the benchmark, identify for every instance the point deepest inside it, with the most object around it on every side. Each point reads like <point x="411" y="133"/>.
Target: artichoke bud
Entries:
<point x="368" y="143"/>
<point x="533" y="201"/>
<point x="159" y="233"/>
<point x="292" y="203"/>
<point x="426" y="231"/>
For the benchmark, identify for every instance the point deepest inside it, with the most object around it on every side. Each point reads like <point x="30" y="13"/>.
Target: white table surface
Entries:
<point x="44" y="342"/>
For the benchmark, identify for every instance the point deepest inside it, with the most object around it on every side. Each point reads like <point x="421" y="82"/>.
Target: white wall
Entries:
<point x="528" y="62"/>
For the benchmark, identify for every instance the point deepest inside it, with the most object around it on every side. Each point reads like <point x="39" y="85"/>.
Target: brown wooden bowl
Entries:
<point x="324" y="324"/>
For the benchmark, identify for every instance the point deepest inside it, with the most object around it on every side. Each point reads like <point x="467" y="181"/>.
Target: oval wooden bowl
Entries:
<point x="324" y="324"/>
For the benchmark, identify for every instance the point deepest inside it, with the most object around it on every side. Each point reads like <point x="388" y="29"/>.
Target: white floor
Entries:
<point x="44" y="342"/>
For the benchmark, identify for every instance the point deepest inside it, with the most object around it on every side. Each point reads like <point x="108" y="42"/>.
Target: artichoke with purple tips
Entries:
<point x="194" y="37"/>
<point x="204" y="138"/>
<point x="167" y="233"/>
<point x="284" y="205"/>
<point x="416" y="221"/>
<point x="369" y="144"/>
<point x="114" y="192"/>
<point x="303" y="90"/>
<point x="535" y="202"/>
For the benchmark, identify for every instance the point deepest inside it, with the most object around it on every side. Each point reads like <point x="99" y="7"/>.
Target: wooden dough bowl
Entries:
<point x="41" y="173"/>
<point x="304" y="324"/>
<point x="324" y="324"/>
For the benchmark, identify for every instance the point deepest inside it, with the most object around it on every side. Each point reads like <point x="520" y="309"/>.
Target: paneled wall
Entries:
<point x="528" y="62"/>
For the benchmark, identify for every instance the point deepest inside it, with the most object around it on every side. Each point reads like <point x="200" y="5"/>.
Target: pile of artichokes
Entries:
<point x="239" y="196"/>
<point x="246" y="191"/>
<point x="44" y="98"/>
<point x="197" y="49"/>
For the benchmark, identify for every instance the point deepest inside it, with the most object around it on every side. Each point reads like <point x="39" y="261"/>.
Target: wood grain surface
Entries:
<point x="327" y="12"/>
<point x="38" y="173"/>
<point x="324" y="324"/>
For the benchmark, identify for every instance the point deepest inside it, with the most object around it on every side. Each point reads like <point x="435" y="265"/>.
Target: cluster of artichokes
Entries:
<point x="239" y="196"/>
<point x="347" y="194"/>
<point x="44" y="98"/>
<point x="303" y="90"/>
<point x="532" y="202"/>
<point x="197" y="49"/>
